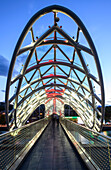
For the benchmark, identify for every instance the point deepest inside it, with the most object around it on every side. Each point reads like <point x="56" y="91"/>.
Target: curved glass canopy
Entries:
<point x="55" y="63"/>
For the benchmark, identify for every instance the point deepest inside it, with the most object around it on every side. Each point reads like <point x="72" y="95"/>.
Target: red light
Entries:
<point x="50" y="60"/>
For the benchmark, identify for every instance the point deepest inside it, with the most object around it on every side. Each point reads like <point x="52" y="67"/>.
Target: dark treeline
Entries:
<point x="107" y="113"/>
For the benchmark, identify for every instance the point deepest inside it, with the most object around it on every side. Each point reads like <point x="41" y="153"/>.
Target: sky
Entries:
<point x="95" y="15"/>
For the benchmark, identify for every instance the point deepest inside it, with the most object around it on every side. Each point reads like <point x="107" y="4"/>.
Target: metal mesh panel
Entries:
<point x="13" y="143"/>
<point x="96" y="145"/>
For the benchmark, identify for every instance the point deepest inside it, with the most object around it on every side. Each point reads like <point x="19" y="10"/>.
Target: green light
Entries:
<point x="72" y="117"/>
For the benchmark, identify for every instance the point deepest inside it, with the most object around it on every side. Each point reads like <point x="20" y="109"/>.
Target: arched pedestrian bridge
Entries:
<point x="58" y="66"/>
<point x="55" y="63"/>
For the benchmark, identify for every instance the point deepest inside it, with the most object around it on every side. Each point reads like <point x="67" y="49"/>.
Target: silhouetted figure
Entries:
<point x="57" y="120"/>
<point x="53" y="120"/>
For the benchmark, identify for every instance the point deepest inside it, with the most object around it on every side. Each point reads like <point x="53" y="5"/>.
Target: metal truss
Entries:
<point x="55" y="71"/>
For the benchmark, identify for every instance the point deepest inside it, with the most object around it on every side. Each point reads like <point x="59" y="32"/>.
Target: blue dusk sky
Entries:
<point x="95" y="14"/>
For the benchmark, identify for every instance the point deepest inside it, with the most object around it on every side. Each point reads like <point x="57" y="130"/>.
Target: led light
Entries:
<point x="66" y="41"/>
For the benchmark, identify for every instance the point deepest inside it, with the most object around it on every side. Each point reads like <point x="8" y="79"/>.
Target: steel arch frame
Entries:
<point x="70" y="42"/>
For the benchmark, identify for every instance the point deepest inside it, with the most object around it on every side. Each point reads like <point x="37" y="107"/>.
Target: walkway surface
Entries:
<point x="53" y="152"/>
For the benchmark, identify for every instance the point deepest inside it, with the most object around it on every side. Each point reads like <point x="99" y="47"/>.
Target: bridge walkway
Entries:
<point x="53" y="151"/>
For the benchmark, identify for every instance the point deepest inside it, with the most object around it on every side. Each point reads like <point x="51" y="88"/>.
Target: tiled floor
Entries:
<point x="53" y="152"/>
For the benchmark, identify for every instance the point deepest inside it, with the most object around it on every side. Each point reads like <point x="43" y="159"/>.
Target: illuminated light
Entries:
<point x="45" y="40"/>
<point x="3" y="113"/>
<point x="53" y="94"/>
<point x="72" y="117"/>
<point x="51" y="90"/>
<point x="80" y="30"/>
<point x="50" y="60"/>
<point x="15" y="133"/>
<point x="87" y="160"/>
<point x="66" y="41"/>
<point x="105" y="133"/>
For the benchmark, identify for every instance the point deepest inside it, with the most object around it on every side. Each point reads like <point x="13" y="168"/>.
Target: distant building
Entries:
<point x="2" y="106"/>
<point x="3" y="126"/>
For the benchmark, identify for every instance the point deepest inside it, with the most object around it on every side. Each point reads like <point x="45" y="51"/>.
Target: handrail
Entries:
<point x="84" y="127"/>
<point x="22" y="127"/>
<point x="93" y="147"/>
<point x="13" y="144"/>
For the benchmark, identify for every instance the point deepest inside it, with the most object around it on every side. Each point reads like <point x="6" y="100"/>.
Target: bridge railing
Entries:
<point x="93" y="147"/>
<point x="15" y="144"/>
